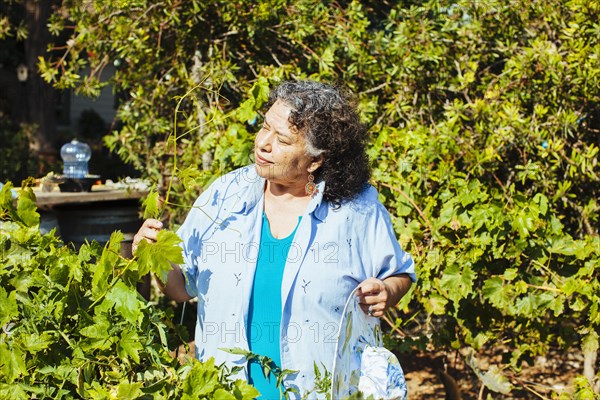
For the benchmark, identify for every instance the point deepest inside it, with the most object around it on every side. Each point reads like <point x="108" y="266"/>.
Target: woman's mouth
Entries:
<point x="261" y="161"/>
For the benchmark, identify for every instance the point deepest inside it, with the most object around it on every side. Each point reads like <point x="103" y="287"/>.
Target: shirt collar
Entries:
<point x="317" y="206"/>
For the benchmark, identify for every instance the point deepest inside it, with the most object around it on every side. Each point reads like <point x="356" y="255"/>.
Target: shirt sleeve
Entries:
<point x="190" y="233"/>
<point x="386" y="256"/>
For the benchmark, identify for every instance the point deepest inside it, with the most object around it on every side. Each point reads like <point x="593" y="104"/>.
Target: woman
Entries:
<point x="273" y="250"/>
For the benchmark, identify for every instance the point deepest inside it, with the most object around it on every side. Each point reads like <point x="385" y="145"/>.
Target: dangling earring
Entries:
<point x="311" y="186"/>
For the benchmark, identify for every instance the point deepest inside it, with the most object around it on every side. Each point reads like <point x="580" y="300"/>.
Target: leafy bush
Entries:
<point x="73" y="325"/>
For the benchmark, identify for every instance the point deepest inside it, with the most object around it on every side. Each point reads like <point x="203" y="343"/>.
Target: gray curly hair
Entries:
<point x="329" y="121"/>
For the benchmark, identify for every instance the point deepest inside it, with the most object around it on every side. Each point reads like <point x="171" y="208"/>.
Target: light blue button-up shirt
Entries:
<point x="334" y="250"/>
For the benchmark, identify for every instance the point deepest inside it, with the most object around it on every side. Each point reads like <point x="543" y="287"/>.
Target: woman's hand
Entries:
<point x="375" y="296"/>
<point x="148" y="231"/>
<point x="175" y="285"/>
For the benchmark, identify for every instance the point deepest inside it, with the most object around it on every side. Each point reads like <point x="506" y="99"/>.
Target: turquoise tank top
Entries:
<point x="264" y="312"/>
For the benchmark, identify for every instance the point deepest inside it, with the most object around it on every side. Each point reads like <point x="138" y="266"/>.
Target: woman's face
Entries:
<point x="280" y="150"/>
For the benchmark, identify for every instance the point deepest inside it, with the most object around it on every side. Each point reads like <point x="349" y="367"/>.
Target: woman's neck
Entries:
<point x="283" y="192"/>
<point x="283" y="207"/>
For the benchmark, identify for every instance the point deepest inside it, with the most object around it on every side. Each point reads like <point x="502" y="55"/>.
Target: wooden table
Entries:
<point x="94" y="215"/>
<point x="99" y="193"/>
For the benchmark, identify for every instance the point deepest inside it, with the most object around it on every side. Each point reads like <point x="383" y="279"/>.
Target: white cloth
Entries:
<point x="361" y="362"/>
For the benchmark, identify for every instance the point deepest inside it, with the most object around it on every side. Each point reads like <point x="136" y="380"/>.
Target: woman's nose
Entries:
<point x="263" y="139"/>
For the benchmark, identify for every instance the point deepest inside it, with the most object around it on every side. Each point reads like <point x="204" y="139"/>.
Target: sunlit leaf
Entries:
<point x="157" y="257"/>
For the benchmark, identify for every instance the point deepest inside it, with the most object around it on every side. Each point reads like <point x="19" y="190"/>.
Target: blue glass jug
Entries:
<point x="75" y="156"/>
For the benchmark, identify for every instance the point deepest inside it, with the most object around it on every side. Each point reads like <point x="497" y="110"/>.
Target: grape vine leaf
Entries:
<point x="246" y="112"/>
<point x="243" y="390"/>
<point x="8" y="305"/>
<point x="125" y="301"/>
<point x="458" y="283"/>
<point x="130" y="346"/>
<point x="108" y="261"/>
<point x="129" y="391"/>
<point x="12" y="362"/>
<point x="157" y="257"/>
<point x="493" y="378"/>
<point x="222" y="394"/>
<point x="151" y="204"/>
<point x="590" y="343"/>
<point x="34" y="342"/>
<point x="436" y="304"/>
<point x="26" y="208"/>
<point x="98" y="329"/>
<point x="202" y="380"/>
<point x="496" y="293"/>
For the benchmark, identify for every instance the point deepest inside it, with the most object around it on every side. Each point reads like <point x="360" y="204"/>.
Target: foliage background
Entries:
<point x="74" y="326"/>
<point x="484" y="119"/>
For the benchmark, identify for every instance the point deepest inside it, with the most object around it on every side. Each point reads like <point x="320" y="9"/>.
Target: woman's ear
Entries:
<point x="317" y="162"/>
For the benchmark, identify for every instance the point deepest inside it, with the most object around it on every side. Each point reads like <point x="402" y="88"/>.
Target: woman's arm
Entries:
<point x="175" y="286"/>
<point x="397" y="287"/>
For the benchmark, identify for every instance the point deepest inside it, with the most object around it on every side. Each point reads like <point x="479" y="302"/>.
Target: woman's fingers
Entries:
<point x="153" y="223"/>
<point x="148" y="231"/>
<point x="373" y="297"/>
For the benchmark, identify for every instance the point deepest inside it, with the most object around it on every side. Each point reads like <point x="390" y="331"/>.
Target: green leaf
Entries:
<point x="201" y="381"/>
<point x="190" y="177"/>
<point x="524" y="223"/>
<point x="34" y="342"/>
<point x="589" y="344"/>
<point x="244" y="391"/>
<point x="26" y="208"/>
<point x="436" y="304"/>
<point x="98" y="392"/>
<point x="571" y="285"/>
<point x="526" y="305"/>
<point x="108" y="261"/>
<point x="8" y="391"/>
<point x="75" y="269"/>
<point x="129" y="391"/>
<point x="151" y="204"/>
<point x="542" y="200"/>
<point x="130" y="346"/>
<point x="457" y="282"/>
<point x="157" y="257"/>
<point x="557" y="305"/>
<point x="237" y="350"/>
<point x="266" y="367"/>
<point x="222" y="394"/>
<point x="494" y="380"/>
<point x="260" y="92"/>
<point x="126" y="302"/>
<point x="12" y="363"/>
<point x="246" y="111"/>
<point x="98" y="330"/>
<point x="496" y="293"/>
<point x="569" y="247"/>
<point x="510" y="274"/>
<point x="8" y="306"/>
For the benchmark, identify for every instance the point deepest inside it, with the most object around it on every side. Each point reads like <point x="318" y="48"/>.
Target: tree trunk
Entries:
<point x="41" y="97"/>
